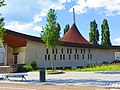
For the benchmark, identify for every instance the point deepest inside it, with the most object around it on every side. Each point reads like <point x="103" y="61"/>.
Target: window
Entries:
<point x="67" y="51"/>
<point x="60" y="57"/>
<point x="77" y="56"/>
<point x="56" y="51"/>
<point x="63" y="57"/>
<point x="76" y="51"/>
<point x="48" y="57"/>
<point x="54" y="57"/>
<point x="83" y="56"/>
<point x="89" y="51"/>
<point x="61" y="51"/>
<point x="52" y="51"/>
<point x="90" y="56"/>
<point x="45" y="57"/>
<point x="84" y="51"/>
<point x="46" y="51"/>
<point x="69" y="57"/>
<point x="70" y="51"/>
<point x="81" y="51"/>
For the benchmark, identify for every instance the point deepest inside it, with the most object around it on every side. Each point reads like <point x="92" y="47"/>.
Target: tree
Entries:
<point x="51" y="32"/>
<point x="2" y="29"/>
<point x="67" y="27"/>
<point x="2" y="3"/>
<point x="94" y="33"/>
<point x="105" y="39"/>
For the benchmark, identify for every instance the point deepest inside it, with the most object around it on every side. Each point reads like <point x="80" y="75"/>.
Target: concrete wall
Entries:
<point x="37" y="51"/>
<point x="9" y="55"/>
<point x="21" y="55"/>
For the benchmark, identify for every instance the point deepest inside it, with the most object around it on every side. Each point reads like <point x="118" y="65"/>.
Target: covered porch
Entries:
<point x="15" y="49"/>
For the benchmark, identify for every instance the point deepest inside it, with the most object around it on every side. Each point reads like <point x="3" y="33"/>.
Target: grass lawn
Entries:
<point x="111" y="67"/>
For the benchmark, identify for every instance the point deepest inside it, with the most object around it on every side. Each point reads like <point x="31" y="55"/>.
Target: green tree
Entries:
<point x="105" y="39"/>
<point x="2" y="3"/>
<point x="67" y="27"/>
<point x="94" y="33"/>
<point x="51" y="32"/>
<point x="2" y="29"/>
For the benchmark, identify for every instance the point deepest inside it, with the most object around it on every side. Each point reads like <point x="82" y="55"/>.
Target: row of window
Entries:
<point x="62" y="57"/>
<point x="69" y="51"/>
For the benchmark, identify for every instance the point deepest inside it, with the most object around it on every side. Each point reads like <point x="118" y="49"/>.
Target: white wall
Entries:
<point x="37" y="51"/>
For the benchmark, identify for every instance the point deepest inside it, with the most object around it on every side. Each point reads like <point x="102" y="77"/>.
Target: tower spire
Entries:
<point x="73" y="15"/>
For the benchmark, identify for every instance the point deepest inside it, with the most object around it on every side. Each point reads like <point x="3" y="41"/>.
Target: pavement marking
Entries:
<point x="11" y="88"/>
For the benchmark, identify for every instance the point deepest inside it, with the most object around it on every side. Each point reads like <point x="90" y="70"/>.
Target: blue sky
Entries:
<point x="29" y="16"/>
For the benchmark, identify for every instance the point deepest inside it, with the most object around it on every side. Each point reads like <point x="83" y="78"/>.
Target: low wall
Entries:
<point x="4" y="69"/>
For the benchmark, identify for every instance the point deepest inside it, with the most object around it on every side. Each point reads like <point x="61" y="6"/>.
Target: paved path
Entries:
<point x="99" y="79"/>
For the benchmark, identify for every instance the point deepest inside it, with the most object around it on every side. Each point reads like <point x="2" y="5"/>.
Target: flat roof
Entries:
<point x="15" y="39"/>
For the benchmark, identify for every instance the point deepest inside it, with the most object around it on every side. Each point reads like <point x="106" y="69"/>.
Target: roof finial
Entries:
<point x="73" y="15"/>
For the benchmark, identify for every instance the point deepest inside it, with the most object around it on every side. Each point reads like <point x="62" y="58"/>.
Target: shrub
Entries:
<point x="33" y="64"/>
<point x="24" y="68"/>
<point x="105" y="63"/>
<point x="114" y="62"/>
<point x="28" y="68"/>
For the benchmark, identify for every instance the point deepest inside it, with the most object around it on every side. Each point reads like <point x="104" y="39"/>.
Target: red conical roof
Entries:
<point x="73" y="35"/>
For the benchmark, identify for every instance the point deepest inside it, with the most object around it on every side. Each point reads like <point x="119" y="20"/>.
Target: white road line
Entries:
<point x="11" y="88"/>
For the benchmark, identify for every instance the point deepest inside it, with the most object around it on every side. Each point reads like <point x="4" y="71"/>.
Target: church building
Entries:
<point x="74" y="50"/>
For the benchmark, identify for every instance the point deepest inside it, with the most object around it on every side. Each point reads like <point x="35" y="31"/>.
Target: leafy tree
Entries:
<point x="51" y="32"/>
<point x="105" y="39"/>
<point x="2" y="3"/>
<point x="67" y="27"/>
<point x="2" y="29"/>
<point x="94" y="33"/>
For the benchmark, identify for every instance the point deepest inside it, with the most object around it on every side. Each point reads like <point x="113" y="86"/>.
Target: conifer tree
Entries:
<point x="105" y="39"/>
<point x="67" y="27"/>
<point x="94" y="33"/>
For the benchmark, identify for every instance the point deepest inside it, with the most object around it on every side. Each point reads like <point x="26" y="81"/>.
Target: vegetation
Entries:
<point x="110" y="67"/>
<point x="94" y="33"/>
<point x="105" y="40"/>
<point x="2" y="29"/>
<point x="26" y="68"/>
<point x="51" y="32"/>
<point x="67" y="27"/>
<point x="33" y="64"/>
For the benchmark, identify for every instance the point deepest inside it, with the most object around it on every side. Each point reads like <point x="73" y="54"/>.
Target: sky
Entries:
<point x="29" y="16"/>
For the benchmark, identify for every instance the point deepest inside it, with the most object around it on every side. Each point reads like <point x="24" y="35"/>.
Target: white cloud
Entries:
<point x="37" y="18"/>
<point x="38" y="28"/>
<point x="20" y="27"/>
<point x="117" y="40"/>
<point x="46" y="5"/>
<point x="110" y="7"/>
<point x="23" y="27"/>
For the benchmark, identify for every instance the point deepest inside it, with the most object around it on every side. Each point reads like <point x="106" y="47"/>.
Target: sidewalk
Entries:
<point x="96" y="79"/>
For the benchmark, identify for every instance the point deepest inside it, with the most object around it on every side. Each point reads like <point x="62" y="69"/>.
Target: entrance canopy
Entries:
<point x="15" y="39"/>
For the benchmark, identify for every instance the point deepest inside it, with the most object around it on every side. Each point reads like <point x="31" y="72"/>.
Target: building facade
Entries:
<point x="74" y="50"/>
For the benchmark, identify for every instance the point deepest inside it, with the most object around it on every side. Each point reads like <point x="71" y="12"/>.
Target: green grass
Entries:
<point x="110" y="67"/>
<point x="113" y="67"/>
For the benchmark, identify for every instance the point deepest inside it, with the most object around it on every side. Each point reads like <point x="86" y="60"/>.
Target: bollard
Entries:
<point x="42" y="74"/>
